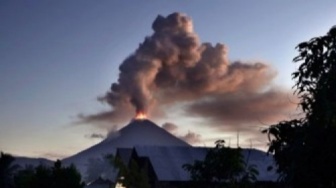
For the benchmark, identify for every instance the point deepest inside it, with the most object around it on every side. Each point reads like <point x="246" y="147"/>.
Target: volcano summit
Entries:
<point x="136" y="133"/>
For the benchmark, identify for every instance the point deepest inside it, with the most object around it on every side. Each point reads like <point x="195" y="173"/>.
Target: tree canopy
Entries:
<point x="130" y="175"/>
<point x="7" y="170"/>
<point x="52" y="177"/>
<point x="304" y="148"/>
<point x="222" y="166"/>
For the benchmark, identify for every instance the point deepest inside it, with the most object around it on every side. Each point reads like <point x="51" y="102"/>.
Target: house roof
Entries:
<point x="124" y="154"/>
<point x="167" y="162"/>
<point x="100" y="181"/>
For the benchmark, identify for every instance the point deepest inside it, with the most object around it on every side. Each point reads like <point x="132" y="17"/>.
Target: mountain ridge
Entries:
<point x="136" y="133"/>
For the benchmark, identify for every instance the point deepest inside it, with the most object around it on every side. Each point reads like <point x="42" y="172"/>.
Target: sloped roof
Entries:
<point x="167" y="162"/>
<point x="124" y="154"/>
<point x="100" y="181"/>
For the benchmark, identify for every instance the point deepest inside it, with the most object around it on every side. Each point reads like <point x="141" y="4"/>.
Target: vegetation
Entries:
<point x="130" y="175"/>
<point x="54" y="177"/>
<point x="304" y="148"/>
<point x="37" y="177"/>
<point x="7" y="170"/>
<point x="222" y="166"/>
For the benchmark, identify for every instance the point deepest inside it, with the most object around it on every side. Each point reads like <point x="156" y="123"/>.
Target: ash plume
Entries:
<point x="95" y="136"/>
<point x="160" y="62"/>
<point x="170" y="127"/>
<point x="172" y="66"/>
<point x="190" y="137"/>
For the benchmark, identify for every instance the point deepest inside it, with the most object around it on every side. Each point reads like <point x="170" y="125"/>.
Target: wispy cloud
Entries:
<point x="95" y="136"/>
<point x="190" y="137"/>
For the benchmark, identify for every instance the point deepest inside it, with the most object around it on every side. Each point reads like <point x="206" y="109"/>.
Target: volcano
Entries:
<point x="136" y="133"/>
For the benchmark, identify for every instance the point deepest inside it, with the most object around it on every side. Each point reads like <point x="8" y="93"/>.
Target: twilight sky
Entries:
<point x="57" y="57"/>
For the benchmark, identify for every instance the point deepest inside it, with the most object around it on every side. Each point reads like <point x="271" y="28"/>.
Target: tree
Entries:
<point x="7" y="170"/>
<point x="222" y="166"/>
<point x="304" y="149"/>
<point x="130" y="175"/>
<point x="25" y="177"/>
<point x="53" y="177"/>
<point x="66" y="176"/>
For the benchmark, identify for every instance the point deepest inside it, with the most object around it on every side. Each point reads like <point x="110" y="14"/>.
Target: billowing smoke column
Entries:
<point x="172" y="61"/>
<point x="161" y="61"/>
<point x="172" y="65"/>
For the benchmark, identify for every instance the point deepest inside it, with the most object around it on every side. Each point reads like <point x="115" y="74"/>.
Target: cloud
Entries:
<point x="113" y="132"/>
<point x="170" y="127"/>
<point x="111" y="116"/>
<point x="240" y="109"/>
<point x="191" y="137"/>
<point x="95" y="135"/>
<point x="172" y="66"/>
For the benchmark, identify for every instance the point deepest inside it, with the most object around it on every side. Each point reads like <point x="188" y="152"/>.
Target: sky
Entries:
<point x="57" y="57"/>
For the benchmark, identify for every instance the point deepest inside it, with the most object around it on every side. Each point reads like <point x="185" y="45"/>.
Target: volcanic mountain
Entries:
<point x="166" y="152"/>
<point x="136" y="133"/>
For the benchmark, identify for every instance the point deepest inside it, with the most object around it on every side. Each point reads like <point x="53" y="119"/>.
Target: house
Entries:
<point x="163" y="165"/>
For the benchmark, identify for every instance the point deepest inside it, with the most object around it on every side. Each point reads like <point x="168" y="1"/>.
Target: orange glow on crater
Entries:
<point x="140" y="116"/>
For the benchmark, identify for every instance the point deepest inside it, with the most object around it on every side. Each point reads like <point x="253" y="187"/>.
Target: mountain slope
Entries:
<point x="136" y="133"/>
<point x="27" y="161"/>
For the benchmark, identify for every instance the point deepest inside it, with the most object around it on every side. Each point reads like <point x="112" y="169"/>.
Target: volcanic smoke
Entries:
<point x="140" y="116"/>
<point x="172" y="66"/>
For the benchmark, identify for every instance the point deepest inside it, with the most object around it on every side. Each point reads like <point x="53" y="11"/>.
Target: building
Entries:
<point x="163" y="165"/>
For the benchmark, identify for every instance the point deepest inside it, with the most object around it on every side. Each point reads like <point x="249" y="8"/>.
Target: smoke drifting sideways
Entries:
<point x="190" y="137"/>
<point x="172" y="66"/>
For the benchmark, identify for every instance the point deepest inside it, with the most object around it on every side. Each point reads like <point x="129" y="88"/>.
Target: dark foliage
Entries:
<point x="304" y="149"/>
<point x="130" y="175"/>
<point x="7" y="170"/>
<point x="42" y="176"/>
<point x="222" y="166"/>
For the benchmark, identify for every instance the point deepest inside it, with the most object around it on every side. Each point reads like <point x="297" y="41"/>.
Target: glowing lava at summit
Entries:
<point x="140" y="116"/>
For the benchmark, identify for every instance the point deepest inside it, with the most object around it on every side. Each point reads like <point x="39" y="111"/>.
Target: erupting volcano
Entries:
<point x="172" y="66"/>
<point x="139" y="132"/>
<point x="140" y="116"/>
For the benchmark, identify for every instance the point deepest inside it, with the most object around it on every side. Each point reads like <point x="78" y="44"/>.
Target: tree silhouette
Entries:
<point x="222" y="166"/>
<point x="304" y="149"/>
<point x="130" y="175"/>
<point x="52" y="177"/>
<point x="66" y="176"/>
<point x="25" y="178"/>
<point x="7" y="170"/>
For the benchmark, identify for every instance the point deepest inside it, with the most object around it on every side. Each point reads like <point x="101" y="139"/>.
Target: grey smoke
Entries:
<point x="190" y="137"/>
<point x="172" y="66"/>
<point x="95" y="135"/>
<point x="170" y="127"/>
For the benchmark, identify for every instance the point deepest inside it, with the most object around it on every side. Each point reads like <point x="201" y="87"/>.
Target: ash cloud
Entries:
<point x="241" y="109"/>
<point x="170" y="127"/>
<point x="95" y="136"/>
<point x="190" y="137"/>
<point x="113" y="132"/>
<point x="172" y="66"/>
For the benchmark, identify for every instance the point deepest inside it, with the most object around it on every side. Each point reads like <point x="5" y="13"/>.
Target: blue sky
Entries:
<point x="56" y="57"/>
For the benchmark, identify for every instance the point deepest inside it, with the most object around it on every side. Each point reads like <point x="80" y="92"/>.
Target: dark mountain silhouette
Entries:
<point x="136" y="133"/>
